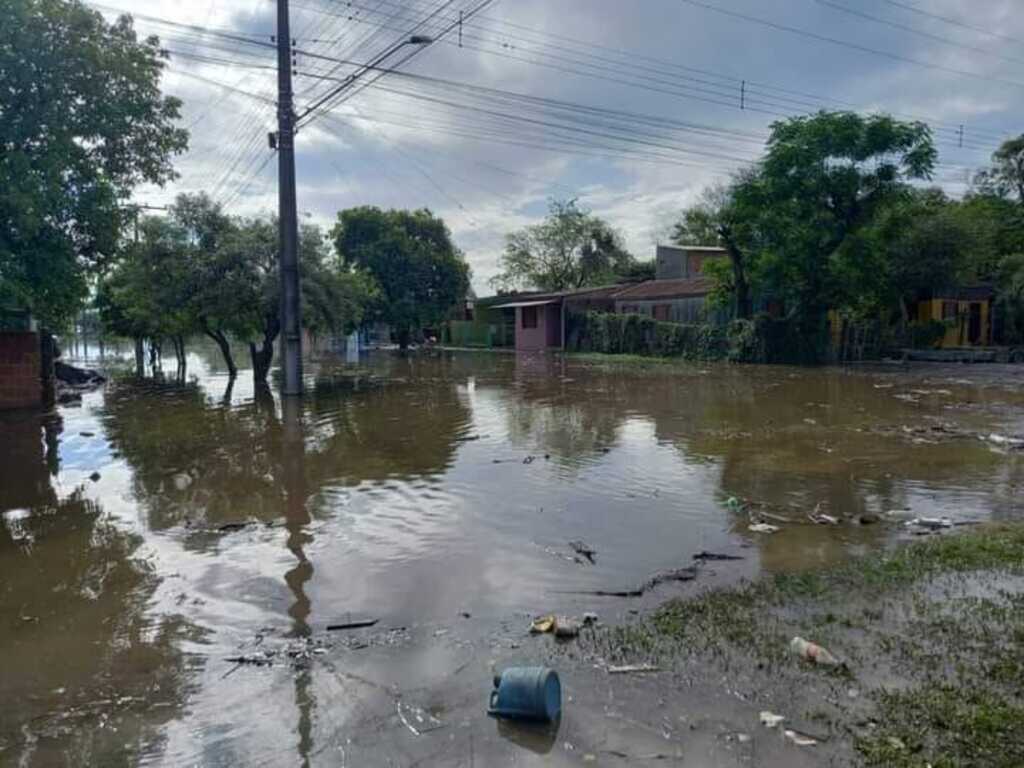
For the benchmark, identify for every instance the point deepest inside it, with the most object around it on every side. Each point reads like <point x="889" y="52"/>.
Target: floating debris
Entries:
<point x="800" y="739"/>
<point x="708" y="556"/>
<point x="357" y="624"/>
<point x="770" y="719"/>
<point x="632" y="669"/>
<point x="584" y="549"/>
<point x="763" y="528"/>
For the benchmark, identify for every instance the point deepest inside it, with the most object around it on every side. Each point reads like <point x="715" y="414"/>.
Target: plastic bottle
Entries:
<point x="809" y="651"/>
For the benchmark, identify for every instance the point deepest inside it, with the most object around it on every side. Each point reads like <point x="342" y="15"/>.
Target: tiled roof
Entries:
<point x="667" y="289"/>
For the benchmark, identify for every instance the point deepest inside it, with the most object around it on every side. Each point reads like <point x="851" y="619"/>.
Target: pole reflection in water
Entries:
<point x="296" y="516"/>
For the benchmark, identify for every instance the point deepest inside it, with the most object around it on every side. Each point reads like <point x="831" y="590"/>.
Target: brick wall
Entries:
<point x="19" y="370"/>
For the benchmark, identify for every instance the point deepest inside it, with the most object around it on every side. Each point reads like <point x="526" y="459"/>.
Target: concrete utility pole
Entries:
<point x="291" y="320"/>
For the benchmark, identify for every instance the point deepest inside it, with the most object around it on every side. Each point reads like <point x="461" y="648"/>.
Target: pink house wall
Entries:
<point x="547" y="334"/>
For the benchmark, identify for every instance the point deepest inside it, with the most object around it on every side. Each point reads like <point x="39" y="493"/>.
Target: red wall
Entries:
<point x="20" y="386"/>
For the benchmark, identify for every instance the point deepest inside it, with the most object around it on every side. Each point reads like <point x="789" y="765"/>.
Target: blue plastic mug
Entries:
<point x="527" y="693"/>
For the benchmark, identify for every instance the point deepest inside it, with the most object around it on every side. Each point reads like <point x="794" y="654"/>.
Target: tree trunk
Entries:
<point x="744" y="304"/>
<point x="403" y="339"/>
<point x="225" y="350"/>
<point x="262" y="357"/>
<point x="140" y="358"/>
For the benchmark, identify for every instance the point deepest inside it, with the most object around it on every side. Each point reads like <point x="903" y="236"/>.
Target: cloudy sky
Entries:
<point x="633" y="107"/>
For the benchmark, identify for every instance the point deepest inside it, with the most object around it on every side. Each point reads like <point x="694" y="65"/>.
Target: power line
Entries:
<point x="734" y="82"/>
<point x="847" y="44"/>
<point x="918" y="32"/>
<point x="952" y="21"/>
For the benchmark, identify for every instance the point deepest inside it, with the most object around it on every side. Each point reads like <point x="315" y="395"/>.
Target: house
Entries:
<point x="540" y="318"/>
<point x="678" y="294"/>
<point x="966" y="312"/>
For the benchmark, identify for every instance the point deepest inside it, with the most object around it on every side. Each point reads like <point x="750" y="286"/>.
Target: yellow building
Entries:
<point x="966" y="312"/>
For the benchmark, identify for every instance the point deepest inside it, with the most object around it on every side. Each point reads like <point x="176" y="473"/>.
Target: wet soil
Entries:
<point x="174" y="609"/>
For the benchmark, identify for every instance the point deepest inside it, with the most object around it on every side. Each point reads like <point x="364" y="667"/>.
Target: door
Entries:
<point x="974" y="324"/>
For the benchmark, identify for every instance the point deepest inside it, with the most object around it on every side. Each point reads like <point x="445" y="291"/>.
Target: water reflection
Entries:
<point x="89" y="676"/>
<point x="416" y="490"/>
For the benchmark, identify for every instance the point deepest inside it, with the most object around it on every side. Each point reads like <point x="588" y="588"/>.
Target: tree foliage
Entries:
<point x="570" y="249"/>
<point x="83" y="122"/>
<point x="201" y="271"/>
<point x="420" y="273"/>
<point x="1006" y="176"/>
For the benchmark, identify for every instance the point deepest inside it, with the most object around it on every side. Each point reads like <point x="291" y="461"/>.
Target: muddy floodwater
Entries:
<point x="172" y="555"/>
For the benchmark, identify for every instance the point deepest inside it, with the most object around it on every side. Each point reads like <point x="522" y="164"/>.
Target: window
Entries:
<point x="529" y="317"/>
<point x="949" y="310"/>
<point x="662" y="312"/>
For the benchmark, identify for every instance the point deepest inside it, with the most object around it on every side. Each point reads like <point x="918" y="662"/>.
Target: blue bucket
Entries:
<point x="527" y="693"/>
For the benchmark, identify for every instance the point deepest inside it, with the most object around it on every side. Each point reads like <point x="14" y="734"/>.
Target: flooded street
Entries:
<point x="160" y="538"/>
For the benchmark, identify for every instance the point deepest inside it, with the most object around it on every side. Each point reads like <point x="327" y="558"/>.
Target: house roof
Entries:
<point x="681" y="288"/>
<point x="714" y="248"/>
<point x="527" y="303"/>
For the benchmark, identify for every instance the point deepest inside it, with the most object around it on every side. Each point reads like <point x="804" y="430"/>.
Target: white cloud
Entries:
<point x="679" y="62"/>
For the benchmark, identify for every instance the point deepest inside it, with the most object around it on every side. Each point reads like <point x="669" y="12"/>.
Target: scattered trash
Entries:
<point x="820" y="518"/>
<point x="256" y="659"/>
<point x="705" y="555"/>
<point x="733" y="504"/>
<point x="529" y="460"/>
<point x="632" y="669"/>
<point x="809" y="651"/>
<point x="417" y="719"/>
<point x="673" y="574"/>
<point x="561" y="626"/>
<point x="95" y="476"/>
<point x="543" y="624"/>
<point x="466" y="615"/>
<point x="584" y="549"/>
<point x="770" y="719"/>
<point x="800" y="739"/>
<point x="763" y="528"/>
<point x="182" y="480"/>
<point x="567" y="627"/>
<point x="526" y="693"/>
<point x="742" y="738"/>
<point x="812" y="422"/>
<point x="358" y="624"/>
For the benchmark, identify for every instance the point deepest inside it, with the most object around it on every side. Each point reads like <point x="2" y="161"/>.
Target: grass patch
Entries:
<point x="930" y="630"/>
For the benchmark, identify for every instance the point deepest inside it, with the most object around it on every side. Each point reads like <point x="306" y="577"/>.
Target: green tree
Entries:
<point x="83" y="123"/>
<point x="822" y="181"/>
<point x="699" y="223"/>
<point x="420" y="273"/>
<point x="333" y="298"/>
<point x="145" y="294"/>
<point x="570" y="249"/>
<point x="1006" y="176"/>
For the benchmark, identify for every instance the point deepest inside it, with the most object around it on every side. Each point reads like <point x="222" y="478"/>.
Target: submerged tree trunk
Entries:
<point x="140" y="357"/>
<point x="262" y="357"/>
<point x="225" y="349"/>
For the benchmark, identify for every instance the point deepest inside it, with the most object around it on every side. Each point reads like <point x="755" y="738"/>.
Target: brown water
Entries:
<point x="438" y="495"/>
